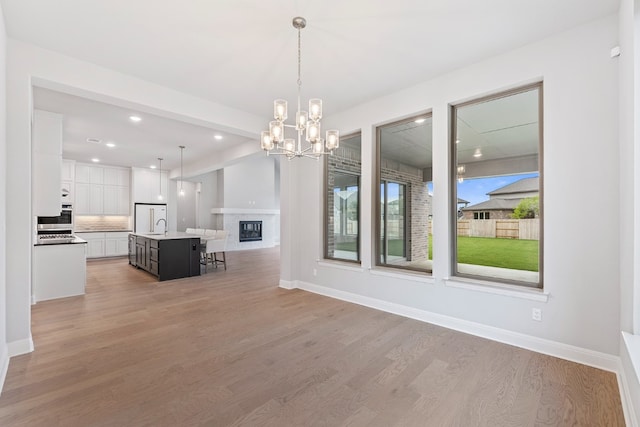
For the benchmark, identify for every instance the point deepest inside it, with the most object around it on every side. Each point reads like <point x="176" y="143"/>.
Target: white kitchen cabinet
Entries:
<point x="102" y="190"/>
<point x="116" y="243"/>
<point x="116" y="200"/>
<point x="146" y="185"/>
<point x="95" y="244"/>
<point x="58" y="271"/>
<point x="68" y="172"/>
<point x="89" y="174"/>
<point x="89" y="199"/>
<point x="106" y="244"/>
<point x="67" y="185"/>
<point x="47" y="163"/>
<point x="116" y="176"/>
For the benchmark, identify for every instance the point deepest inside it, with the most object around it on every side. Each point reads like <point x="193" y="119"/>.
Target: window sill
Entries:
<point x="349" y="266"/>
<point x="498" y="289"/>
<point x="405" y="275"/>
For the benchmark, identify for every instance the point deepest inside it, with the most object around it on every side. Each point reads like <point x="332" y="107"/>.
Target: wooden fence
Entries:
<point x="526" y="229"/>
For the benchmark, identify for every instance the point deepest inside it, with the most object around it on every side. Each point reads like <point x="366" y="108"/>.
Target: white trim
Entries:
<point x="524" y="293"/>
<point x="4" y="366"/>
<point x="405" y="275"/>
<point x="628" y="373"/>
<point x="245" y="211"/>
<point x="341" y="265"/>
<point x="16" y="348"/>
<point x="632" y="343"/>
<point x="286" y="284"/>
<point x="584" y="356"/>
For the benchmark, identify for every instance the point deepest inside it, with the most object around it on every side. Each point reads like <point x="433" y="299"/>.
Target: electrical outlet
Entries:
<point x="315" y="272"/>
<point x="536" y="314"/>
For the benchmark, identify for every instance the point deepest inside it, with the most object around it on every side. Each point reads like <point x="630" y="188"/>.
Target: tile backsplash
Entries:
<point x="101" y="223"/>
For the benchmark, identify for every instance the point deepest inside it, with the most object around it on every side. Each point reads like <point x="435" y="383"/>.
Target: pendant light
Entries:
<point x="160" y="173"/>
<point x="181" y="171"/>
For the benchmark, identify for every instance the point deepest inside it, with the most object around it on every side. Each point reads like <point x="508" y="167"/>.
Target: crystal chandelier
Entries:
<point x="274" y="141"/>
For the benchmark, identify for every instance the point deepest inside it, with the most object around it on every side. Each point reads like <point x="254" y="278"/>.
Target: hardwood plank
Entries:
<point x="231" y="348"/>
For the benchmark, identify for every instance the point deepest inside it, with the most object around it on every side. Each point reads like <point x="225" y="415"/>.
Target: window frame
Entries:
<point x="376" y="236"/>
<point x="325" y="214"/>
<point x="453" y="178"/>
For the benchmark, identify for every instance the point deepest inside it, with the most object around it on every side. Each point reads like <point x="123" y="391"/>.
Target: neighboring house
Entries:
<point x="462" y="202"/>
<point x="502" y="201"/>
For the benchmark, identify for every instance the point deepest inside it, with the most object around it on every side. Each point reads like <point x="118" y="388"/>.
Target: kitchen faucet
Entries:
<point x="165" y="224"/>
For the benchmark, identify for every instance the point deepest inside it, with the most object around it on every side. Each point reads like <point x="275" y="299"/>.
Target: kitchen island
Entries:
<point x="167" y="256"/>
<point x="59" y="270"/>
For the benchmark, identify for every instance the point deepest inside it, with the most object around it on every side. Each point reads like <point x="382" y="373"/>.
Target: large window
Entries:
<point x="404" y="173"/>
<point x="497" y="185"/>
<point x="342" y="204"/>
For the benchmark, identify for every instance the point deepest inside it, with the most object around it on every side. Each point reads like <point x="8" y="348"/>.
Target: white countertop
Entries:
<point x="76" y="240"/>
<point x="171" y="235"/>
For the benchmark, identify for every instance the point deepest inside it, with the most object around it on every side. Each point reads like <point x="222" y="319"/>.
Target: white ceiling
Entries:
<point x="136" y="144"/>
<point x="242" y="53"/>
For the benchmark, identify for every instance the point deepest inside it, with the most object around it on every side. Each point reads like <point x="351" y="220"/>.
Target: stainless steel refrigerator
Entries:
<point x="150" y="218"/>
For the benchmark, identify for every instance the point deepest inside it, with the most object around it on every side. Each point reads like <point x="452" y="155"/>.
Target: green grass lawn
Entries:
<point x="504" y="253"/>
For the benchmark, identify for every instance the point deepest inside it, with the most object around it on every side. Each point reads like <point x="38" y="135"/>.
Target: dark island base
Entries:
<point x="167" y="258"/>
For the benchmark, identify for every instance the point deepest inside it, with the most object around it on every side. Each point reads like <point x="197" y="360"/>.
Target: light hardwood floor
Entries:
<point x="231" y="348"/>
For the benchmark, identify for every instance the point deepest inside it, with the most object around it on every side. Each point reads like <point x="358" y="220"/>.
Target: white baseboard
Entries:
<point x="16" y="348"/>
<point x="584" y="356"/>
<point x="4" y="365"/>
<point x="629" y="379"/>
<point x="287" y="284"/>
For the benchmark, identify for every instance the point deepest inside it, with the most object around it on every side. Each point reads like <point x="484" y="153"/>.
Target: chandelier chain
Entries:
<point x="299" y="67"/>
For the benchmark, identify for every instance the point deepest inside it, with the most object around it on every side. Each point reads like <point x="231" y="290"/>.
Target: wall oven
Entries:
<point x="64" y="221"/>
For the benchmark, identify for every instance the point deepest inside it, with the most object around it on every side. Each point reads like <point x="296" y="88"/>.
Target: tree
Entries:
<point x="529" y="207"/>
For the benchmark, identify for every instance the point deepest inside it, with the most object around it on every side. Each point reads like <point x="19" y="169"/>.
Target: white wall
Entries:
<point x="27" y="65"/>
<point x="250" y="184"/>
<point x="629" y="222"/>
<point x="4" y="351"/>
<point x="186" y="206"/>
<point x="208" y="199"/>
<point x="580" y="253"/>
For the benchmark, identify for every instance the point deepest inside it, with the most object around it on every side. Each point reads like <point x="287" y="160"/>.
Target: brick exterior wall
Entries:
<point x="419" y="206"/>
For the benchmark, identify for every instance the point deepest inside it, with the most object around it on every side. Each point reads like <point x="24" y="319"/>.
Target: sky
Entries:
<point x="475" y="190"/>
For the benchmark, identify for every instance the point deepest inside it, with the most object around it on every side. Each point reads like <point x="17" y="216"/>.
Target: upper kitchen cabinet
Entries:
<point x="148" y="184"/>
<point x="47" y="163"/>
<point x="68" y="181"/>
<point x="89" y="174"/>
<point x="102" y="190"/>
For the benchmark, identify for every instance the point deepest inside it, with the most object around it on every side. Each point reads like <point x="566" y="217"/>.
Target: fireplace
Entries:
<point x="250" y="231"/>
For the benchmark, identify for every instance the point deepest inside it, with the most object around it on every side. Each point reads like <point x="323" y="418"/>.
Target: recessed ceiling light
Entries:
<point x="94" y="140"/>
<point x="477" y="153"/>
<point x="218" y="137"/>
<point x="420" y="120"/>
<point x="110" y="144"/>
<point x="135" y="119"/>
<point x="457" y="141"/>
<point x="152" y="166"/>
<point x="94" y="160"/>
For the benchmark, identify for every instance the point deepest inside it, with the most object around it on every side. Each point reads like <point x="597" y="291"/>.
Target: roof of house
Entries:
<point x="525" y="185"/>
<point x="494" y="204"/>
